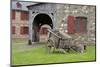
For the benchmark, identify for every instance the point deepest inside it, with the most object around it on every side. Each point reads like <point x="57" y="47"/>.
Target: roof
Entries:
<point x="23" y="5"/>
<point x="35" y="4"/>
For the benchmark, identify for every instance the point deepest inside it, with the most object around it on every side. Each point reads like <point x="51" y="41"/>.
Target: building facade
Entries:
<point x="19" y="24"/>
<point x="19" y="19"/>
<point x="68" y="18"/>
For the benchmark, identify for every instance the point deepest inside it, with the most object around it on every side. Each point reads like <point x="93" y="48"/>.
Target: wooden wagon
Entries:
<point x="63" y="42"/>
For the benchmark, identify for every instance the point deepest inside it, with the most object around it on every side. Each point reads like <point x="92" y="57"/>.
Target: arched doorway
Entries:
<point x="38" y="22"/>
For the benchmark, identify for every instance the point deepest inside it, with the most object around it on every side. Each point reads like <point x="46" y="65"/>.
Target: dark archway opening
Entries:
<point x="40" y="20"/>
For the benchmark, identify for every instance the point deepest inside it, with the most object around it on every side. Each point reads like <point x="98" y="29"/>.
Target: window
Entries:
<point x="76" y="24"/>
<point x="24" y="15"/>
<point x="81" y="25"/>
<point x="13" y="29"/>
<point x="13" y="14"/>
<point x="24" y="30"/>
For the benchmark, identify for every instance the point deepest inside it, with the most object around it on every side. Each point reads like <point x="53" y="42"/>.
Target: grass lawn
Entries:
<point x="23" y="54"/>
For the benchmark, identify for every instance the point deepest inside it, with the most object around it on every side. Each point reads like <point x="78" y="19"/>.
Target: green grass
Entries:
<point x="23" y="54"/>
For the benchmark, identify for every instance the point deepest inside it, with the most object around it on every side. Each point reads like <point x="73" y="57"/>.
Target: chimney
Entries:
<point x="18" y="5"/>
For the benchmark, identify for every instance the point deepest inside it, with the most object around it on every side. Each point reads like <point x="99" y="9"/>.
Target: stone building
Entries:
<point x="30" y="20"/>
<point x="19" y="19"/>
<point x="68" y="18"/>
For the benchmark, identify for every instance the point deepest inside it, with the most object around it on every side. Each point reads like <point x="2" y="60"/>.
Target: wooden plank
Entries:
<point x="54" y="33"/>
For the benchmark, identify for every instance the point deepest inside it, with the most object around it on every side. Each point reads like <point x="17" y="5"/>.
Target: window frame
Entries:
<point x="77" y="24"/>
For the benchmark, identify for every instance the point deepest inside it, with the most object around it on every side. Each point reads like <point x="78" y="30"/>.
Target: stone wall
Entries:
<point x="63" y="11"/>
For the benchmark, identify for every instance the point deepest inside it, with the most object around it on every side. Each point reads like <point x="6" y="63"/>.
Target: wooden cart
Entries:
<point x="63" y="42"/>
